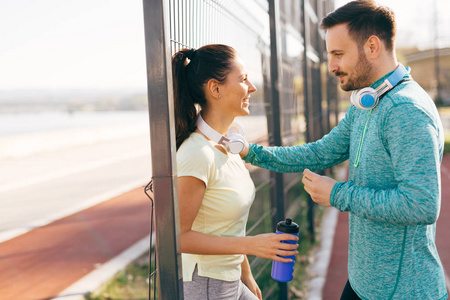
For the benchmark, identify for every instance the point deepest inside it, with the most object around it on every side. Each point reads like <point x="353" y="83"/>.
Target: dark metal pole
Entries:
<point x="162" y="137"/>
<point x="307" y="75"/>
<point x="275" y="89"/>
<point x="277" y="140"/>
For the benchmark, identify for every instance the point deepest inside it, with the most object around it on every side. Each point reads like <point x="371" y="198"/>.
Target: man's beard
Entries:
<point x="361" y="75"/>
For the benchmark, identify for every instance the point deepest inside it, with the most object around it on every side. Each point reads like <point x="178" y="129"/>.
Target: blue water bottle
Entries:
<point x="283" y="272"/>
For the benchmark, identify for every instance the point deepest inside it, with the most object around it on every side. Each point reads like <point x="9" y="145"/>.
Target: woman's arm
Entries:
<point x="248" y="280"/>
<point x="190" y="195"/>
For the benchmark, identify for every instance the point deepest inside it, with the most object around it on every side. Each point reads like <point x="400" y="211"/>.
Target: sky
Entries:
<point x="99" y="44"/>
<point x="62" y="44"/>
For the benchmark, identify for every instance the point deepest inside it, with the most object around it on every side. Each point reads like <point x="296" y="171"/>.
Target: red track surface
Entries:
<point x="45" y="261"/>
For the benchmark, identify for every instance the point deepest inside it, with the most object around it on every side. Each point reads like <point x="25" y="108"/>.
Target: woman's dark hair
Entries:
<point x="365" y="18"/>
<point x="191" y="70"/>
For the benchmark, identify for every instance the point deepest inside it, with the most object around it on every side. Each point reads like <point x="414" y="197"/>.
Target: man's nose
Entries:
<point x="332" y="66"/>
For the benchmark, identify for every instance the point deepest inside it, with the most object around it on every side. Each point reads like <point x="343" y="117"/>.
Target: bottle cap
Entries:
<point x="287" y="226"/>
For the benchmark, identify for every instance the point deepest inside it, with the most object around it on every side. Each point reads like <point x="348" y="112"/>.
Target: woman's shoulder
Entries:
<point x="195" y="147"/>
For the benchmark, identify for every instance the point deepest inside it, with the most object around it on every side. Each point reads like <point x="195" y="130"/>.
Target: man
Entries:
<point x="393" y="139"/>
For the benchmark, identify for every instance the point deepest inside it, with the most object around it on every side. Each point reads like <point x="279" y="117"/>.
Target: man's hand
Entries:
<point x="319" y="187"/>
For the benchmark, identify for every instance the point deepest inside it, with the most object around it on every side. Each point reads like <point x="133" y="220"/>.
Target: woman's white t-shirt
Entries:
<point x="225" y="206"/>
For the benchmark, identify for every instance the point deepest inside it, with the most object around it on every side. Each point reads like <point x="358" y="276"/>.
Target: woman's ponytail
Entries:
<point x="185" y="111"/>
<point x="191" y="70"/>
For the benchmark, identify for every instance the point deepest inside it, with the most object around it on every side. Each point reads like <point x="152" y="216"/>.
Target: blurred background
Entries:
<point x="74" y="124"/>
<point x="72" y="74"/>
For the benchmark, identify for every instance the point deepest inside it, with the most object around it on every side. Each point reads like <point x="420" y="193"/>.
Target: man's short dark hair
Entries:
<point x="364" y="18"/>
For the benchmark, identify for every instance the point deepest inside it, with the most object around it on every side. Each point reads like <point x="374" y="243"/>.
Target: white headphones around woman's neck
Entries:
<point x="234" y="142"/>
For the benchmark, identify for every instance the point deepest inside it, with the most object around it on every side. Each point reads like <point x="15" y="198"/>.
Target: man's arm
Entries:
<point x="331" y="150"/>
<point x="414" y="145"/>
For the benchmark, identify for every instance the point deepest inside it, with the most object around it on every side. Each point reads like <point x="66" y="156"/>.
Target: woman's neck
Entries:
<point x="219" y="123"/>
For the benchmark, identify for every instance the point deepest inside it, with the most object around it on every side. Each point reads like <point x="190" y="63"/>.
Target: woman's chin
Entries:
<point x="245" y="111"/>
<point x="245" y="108"/>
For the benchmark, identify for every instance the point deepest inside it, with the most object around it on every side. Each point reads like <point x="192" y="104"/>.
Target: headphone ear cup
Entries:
<point x="236" y="143"/>
<point x="354" y="99"/>
<point x="366" y="98"/>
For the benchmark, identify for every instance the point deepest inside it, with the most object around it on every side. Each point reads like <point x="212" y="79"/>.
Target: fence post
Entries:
<point x="276" y="134"/>
<point x="162" y="137"/>
<point x="309" y="108"/>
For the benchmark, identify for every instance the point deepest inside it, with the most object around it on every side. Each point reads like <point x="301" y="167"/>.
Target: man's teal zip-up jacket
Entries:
<point x="393" y="193"/>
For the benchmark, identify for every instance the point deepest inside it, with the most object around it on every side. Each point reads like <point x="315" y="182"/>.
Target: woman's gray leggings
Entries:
<point x="205" y="288"/>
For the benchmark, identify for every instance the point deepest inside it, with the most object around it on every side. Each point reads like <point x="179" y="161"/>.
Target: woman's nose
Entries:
<point x="251" y="87"/>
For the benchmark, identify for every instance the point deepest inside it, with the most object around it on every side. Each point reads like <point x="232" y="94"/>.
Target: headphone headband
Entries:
<point x="209" y="131"/>
<point x="392" y="80"/>
<point x="233" y="142"/>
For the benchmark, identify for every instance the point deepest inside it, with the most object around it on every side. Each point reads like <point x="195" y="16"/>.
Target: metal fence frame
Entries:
<point x="169" y="26"/>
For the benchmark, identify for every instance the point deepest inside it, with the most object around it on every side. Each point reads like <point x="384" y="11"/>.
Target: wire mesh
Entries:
<point x="245" y="26"/>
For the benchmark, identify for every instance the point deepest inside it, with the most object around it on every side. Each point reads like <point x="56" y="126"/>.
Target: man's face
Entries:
<point x="346" y="60"/>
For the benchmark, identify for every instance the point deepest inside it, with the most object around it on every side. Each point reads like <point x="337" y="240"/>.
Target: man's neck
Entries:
<point x="385" y="65"/>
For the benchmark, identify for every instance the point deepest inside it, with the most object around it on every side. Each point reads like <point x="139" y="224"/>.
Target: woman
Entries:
<point x="215" y="188"/>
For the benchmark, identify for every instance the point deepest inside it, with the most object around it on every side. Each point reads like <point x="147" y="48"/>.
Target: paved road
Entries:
<point x="43" y="187"/>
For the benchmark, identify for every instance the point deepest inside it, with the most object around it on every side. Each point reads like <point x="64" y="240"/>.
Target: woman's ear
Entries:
<point x="213" y="88"/>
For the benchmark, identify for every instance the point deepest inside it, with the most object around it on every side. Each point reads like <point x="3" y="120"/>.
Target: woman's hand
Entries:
<point x="269" y="245"/>
<point x="248" y="279"/>
<point x="250" y="282"/>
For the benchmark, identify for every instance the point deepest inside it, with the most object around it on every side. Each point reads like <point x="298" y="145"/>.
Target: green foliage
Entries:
<point x="129" y="284"/>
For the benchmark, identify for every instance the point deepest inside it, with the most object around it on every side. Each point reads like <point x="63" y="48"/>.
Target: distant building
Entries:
<point x="423" y="71"/>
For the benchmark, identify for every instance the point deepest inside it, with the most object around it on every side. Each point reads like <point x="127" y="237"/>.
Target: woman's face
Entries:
<point x="235" y="91"/>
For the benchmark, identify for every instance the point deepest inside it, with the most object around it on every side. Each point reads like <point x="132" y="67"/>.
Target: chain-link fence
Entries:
<point x="283" y="49"/>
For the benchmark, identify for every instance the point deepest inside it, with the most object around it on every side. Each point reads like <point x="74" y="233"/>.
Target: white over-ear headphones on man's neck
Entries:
<point x="234" y="142"/>
<point x="367" y="98"/>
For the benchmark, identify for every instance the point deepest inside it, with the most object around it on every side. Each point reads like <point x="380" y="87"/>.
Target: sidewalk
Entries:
<point x="337" y="269"/>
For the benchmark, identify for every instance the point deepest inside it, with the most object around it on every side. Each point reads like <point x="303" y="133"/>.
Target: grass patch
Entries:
<point x="447" y="143"/>
<point x="129" y="284"/>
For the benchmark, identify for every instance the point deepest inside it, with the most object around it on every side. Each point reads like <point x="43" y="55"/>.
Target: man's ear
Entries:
<point x="213" y="88"/>
<point x="372" y="47"/>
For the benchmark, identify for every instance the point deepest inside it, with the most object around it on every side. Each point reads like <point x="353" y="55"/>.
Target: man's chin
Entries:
<point x="346" y="88"/>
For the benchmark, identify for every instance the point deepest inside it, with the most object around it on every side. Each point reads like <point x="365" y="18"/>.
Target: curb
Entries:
<point x="322" y="257"/>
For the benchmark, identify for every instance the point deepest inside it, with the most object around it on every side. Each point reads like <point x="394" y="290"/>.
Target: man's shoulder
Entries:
<point x="408" y="92"/>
